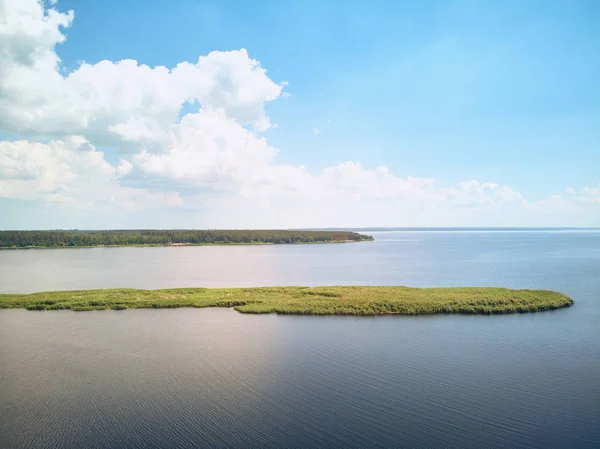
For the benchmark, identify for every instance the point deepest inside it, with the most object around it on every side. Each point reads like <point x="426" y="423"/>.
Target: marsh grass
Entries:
<point x="361" y="300"/>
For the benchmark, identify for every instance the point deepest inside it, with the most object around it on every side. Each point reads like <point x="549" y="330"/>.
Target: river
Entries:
<point x="216" y="378"/>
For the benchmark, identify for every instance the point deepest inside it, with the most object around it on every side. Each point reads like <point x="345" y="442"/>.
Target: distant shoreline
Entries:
<point x="339" y="300"/>
<point x="178" y="245"/>
<point x="169" y="237"/>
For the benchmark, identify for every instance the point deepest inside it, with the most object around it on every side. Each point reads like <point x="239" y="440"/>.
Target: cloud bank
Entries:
<point x="214" y="160"/>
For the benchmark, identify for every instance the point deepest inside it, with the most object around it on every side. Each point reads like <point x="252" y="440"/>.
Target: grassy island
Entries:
<point x="304" y="300"/>
<point x="175" y="237"/>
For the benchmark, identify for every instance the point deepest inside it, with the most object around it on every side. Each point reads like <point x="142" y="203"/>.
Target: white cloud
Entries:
<point x="591" y="194"/>
<point x="579" y="206"/>
<point x="208" y="148"/>
<point x="474" y="192"/>
<point x="124" y="168"/>
<point x="215" y="157"/>
<point x="60" y="173"/>
<point x="123" y="100"/>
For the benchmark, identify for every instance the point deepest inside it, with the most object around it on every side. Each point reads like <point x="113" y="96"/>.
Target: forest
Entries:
<point x="82" y="238"/>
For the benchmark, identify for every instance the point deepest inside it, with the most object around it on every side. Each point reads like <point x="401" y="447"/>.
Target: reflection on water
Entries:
<point x="216" y="378"/>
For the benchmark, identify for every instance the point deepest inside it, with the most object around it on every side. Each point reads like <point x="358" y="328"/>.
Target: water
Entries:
<point x="217" y="378"/>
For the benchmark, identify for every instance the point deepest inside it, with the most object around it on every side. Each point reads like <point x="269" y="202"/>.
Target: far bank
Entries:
<point x="172" y="237"/>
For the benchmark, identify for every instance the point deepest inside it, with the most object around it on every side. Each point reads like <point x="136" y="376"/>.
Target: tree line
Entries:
<point x="74" y="238"/>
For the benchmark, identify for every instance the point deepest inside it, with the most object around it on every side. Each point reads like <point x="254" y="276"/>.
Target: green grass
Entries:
<point x="303" y="300"/>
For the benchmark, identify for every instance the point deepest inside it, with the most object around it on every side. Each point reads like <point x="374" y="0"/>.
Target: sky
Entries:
<point x="235" y="114"/>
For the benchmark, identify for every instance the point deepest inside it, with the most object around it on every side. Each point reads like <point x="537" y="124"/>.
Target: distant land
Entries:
<point x="173" y="237"/>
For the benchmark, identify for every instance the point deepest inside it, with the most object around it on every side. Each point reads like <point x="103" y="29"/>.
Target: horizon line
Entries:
<point x="335" y="228"/>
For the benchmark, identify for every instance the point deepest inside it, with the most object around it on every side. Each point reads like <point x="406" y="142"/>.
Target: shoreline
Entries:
<point x="167" y="245"/>
<point x="170" y="237"/>
<point x="334" y="300"/>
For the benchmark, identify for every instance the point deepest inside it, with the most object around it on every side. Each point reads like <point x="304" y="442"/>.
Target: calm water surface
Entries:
<point x="217" y="378"/>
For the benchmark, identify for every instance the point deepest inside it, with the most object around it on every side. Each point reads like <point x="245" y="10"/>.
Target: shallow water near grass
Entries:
<point x="217" y="378"/>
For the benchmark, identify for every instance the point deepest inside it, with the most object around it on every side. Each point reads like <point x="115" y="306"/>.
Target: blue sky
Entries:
<point x="502" y="92"/>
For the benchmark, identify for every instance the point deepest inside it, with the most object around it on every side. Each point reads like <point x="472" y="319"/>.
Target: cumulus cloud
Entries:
<point x="591" y="194"/>
<point x="474" y="192"/>
<point x="215" y="159"/>
<point x="208" y="147"/>
<point x="59" y="172"/>
<point x="124" y="100"/>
